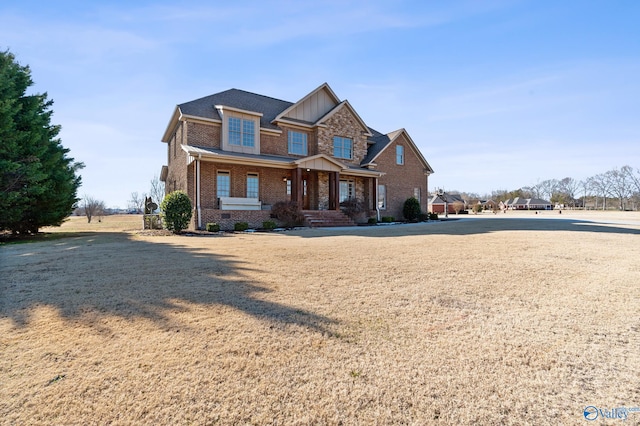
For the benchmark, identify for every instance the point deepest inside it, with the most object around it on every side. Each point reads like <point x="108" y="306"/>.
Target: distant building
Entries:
<point x="519" y="203"/>
<point x="437" y="203"/>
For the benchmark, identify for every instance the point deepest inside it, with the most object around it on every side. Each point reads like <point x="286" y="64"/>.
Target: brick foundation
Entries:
<point x="228" y="218"/>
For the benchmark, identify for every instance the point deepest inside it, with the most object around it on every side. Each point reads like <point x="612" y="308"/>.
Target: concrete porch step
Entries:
<point x="326" y="218"/>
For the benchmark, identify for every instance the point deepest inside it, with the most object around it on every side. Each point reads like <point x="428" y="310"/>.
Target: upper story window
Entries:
<point x="297" y="143"/>
<point x="242" y="132"/>
<point x="399" y="154"/>
<point x="342" y="147"/>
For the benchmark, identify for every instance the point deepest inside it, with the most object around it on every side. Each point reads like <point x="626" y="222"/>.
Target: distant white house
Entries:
<point x="519" y="203"/>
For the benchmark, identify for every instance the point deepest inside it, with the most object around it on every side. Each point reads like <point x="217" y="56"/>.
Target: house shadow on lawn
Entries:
<point x="92" y="276"/>
<point x="472" y="226"/>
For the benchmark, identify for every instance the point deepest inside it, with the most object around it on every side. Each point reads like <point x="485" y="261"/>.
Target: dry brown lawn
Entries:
<point x="499" y="319"/>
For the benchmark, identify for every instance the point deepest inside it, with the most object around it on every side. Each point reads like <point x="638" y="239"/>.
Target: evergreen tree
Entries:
<point x="38" y="182"/>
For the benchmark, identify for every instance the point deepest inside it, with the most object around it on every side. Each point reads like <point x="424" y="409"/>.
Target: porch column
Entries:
<point x="296" y="187"/>
<point x="334" y="191"/>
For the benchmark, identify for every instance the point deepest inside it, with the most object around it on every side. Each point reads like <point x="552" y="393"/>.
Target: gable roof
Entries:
<point x="234" y="98"/>
<point x="451" y="198"/>
<point x="347" y="105"/>
<point x="312" y="107"/>
<point x="382" y="142"/>
<point x="312" y="110"/>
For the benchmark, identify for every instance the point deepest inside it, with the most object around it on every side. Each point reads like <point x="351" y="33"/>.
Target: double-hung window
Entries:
<point x="241" y="132"/>
<point x="297" y="143"/>
<point x="399" y="154"/>
<point x="223" y="184"/>
<point x="342" y="147"/>
<point x="252" y="185"/>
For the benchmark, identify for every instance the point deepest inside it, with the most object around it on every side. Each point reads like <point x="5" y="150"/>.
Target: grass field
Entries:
<point x="496" y="319"/>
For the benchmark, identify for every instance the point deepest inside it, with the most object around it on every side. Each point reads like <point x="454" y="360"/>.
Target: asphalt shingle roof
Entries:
<point x="205" y="107"/>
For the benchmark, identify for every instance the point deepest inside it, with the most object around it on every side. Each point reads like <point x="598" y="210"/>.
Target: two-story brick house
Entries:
<point x="237" y="153"/>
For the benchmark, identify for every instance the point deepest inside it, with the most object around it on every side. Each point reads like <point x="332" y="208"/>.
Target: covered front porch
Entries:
<point x="223" y="185"/>
<point x="323" y="183"/>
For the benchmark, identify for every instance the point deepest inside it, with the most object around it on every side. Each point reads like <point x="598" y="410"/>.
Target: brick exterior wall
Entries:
<point x="176" y="159"/>
<point x="228" y="218"/>
<point x="272" y="188"/>
<point x="400" y="180"/>
<point x="204" y="135"/>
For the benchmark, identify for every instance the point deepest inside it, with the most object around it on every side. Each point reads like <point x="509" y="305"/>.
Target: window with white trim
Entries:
<point x="347" y="190"/>
<point x="342" y="147"/>
<point x="382" y="197"/>
<point x="399" y="154"/>
<point x="223" y="184"/>
<point x="297" y="143"/>
<point x="241" y="132"/>
<point x="252" y="185"/>
<point x="416" y="193"/>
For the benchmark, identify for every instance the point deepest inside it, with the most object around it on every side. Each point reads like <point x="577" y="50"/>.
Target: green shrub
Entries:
<point x="411" y="209"/>
<point x="423" y="217"/>
<point x="387" y="219"/>
<point x="240" y="226"/>
<point x="269" y="225"/>
<point x="372" y="221"/>
<point x="176" y="211"/>
<point x="213" y="227"/>
<point x="477" y="208"/>
<point x="433" y="216"/>
<point x="288" y="213"/>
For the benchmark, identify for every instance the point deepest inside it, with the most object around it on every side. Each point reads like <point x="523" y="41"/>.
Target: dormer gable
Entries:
<point x="311" y="108"/>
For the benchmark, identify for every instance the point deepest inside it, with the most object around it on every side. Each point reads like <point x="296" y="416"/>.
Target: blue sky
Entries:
<point x="496" y="94"/>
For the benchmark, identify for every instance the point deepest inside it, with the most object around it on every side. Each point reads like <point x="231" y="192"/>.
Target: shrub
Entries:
<point x="433" y="216"/>
<point x="372" y="221"/>
<point x="477" y="208"/>
<point x="269" y="225"/>
<point x="176" y="211"/>
<point x="240" y="226"/>
<point x="353" y="208"/>
<point x="387" y="219"/>
<point x="423" y="217"/>
<point x="213" y="227"/>
<point x="411" y="209"/>
<point x="288" y="213"/>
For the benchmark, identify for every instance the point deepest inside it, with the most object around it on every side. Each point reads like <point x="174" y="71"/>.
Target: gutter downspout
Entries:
<point x="376" y="200"/>
<point x="198" y="191"/>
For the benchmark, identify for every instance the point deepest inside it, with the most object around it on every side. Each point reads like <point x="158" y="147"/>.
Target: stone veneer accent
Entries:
<point x="343" y="123"/>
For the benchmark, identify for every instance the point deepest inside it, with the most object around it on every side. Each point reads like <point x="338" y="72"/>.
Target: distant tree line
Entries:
<point x="614" y="189"/>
